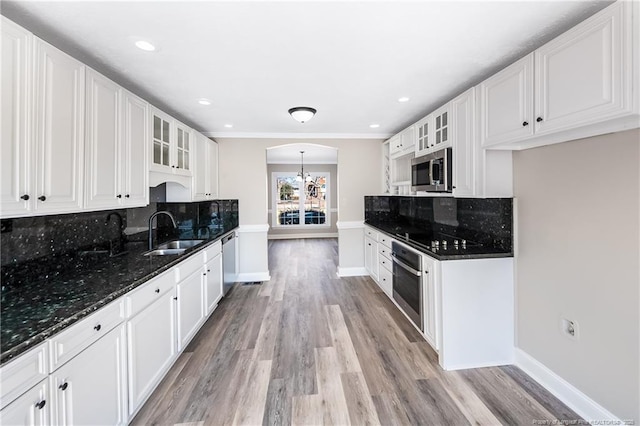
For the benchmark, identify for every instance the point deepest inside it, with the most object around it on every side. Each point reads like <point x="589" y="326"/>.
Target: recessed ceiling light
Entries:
<point x="204" y="101"/>
<point x="145" y="45"/>
<point x="228" y="126"/>
<point x="403" y="99"/>
<point x="374" y="126"/>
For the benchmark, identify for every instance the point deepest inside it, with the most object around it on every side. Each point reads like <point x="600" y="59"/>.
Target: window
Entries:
<point x="299" y="203"/>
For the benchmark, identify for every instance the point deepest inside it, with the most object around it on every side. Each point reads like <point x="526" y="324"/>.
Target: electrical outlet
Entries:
<point x="570" y="328"/>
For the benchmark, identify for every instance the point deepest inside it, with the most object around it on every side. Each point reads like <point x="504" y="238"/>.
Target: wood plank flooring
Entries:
<point x="308" y="348"/>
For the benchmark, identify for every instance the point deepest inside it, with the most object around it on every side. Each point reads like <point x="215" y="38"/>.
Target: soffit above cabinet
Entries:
<point x="255" y="60"/>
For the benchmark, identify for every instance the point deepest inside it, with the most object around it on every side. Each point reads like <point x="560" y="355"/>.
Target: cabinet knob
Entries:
<point x="173" y="167"/>
<point x="175" y="298"/>
<point x="204" y="273"/>
<point x="539" y="119"/>
<point x="525" y="123"/>
<point x="157" y="290"/>
<point x="119" y="196"/>
<point x="25" y="197"/>
<point x="126" y="196"/>
<point x="42" y="198"/>
<point x="208" y="270"/>
<point x="97" y="327"/>
<point x="41" y="404"/>
<point x="63" y="386"/>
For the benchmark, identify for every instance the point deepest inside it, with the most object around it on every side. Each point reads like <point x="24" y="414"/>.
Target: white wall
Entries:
<point x="578" y="251"/>
<point x="243" y="175"/>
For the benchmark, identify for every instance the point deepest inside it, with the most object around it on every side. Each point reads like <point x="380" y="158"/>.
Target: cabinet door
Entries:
<point x="212" y="283"/>
<point x="441" y="137"/>
<point x="580" y="75"/>
<point x="506" y="104"/>
<point x="59" y="117"/>
<point x="213" y="169"/>
<point x="151" y="348"/>
<point x="407" y="139"/>
<point x="90" y="389"/>
<point x="134" y="165"/>
<point x="394" y="144"/>
<point x="190" y="308"/>
<point x="429" y="300"/>
<point x="463" y="139"/>
<point x="161" y="136"/>
<point x="371" y="258"/>
<point x="32" y="408"/>
<point x="182" y="163"/>
<point x="15" y="178"/>
<point x="385" y="281"/>
<point x="102" y="143"/>
<point x="423" y="134"/>
<point x="200" y="168"/>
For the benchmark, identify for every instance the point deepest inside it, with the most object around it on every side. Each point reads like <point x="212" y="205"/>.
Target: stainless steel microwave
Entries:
<point x="433" y="172"/>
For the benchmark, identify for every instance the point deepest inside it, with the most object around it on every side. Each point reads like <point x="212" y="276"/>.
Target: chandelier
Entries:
<point x="302" y="176"/>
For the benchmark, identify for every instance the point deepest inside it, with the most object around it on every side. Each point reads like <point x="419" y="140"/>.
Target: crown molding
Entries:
<point x="265" y="135"/>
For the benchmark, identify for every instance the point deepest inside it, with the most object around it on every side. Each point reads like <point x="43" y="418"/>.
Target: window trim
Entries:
<point x="274" y="201"/>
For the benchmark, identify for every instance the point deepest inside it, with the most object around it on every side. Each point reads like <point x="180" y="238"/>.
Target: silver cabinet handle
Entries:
<point x="406" y="267"/>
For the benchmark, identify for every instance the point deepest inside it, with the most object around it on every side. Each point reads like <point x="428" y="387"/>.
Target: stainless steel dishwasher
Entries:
<point x="229" y="269"/>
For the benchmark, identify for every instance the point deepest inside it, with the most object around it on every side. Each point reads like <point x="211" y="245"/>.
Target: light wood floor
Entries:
<point x="309" y="348"/>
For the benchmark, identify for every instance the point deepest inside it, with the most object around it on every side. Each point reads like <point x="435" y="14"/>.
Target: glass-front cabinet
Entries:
<point x="171" y="145"/>
<point x="432" y="132"/>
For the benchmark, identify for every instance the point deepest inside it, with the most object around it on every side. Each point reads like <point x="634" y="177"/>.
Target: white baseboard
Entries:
<point x="352" y="272"/>
<point x="296" y="236"/>
<point x="356" y="224"/>
<point x="584" y="406"/>
<point x="249" y="277"/>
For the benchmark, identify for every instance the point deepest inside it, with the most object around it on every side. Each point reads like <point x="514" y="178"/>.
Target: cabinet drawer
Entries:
<point x="385" y="263"/>
<point x="23" y="373"/>
<point x="385" y="240"/>
<point x="384" y="251"/>
<point x="76" y="338"/>
<point x="188" y="267"/>
<point x="370" y="233"/>
<point x="148" y="293"/>
<point x="212" y="251"/>
<point x="384" y="281"/>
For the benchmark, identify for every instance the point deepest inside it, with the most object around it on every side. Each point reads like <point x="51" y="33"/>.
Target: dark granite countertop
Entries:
<point x="60" y="295"/>
<point x="475" y="251"/>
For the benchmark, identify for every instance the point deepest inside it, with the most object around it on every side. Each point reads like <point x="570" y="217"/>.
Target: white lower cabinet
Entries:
<point x="212" y="281"/>
<point x="90" y="389"/>
<point x="429" y="280"/>
<point x="385" y="281"/>
<point x="371" y="257"/>
<point x="151" y="345"/>
<point x="190" y="309"/>
<point x="32" y="408"/>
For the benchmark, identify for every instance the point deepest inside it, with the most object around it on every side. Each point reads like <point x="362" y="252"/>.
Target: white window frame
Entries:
<point x="274" y="202"/>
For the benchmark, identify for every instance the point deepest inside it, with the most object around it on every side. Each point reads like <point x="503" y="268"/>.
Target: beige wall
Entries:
<point x="243" y="174"/>
<point x="578" y="250"/>
<point x="332" y="169"/>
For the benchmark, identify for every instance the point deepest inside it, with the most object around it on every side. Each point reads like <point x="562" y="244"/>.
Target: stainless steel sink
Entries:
<point x="165" y="252"/>
<point x="173" y="247"/>
<point x="180" y="244"/>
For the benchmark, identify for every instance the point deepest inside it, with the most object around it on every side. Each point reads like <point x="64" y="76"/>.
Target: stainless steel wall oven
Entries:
<point x="407" y="282"/>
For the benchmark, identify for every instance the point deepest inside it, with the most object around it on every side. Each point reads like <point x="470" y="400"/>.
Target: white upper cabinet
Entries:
<point x="17" y="194"/>
<point x="581" y="76"/>
<point x="205" y="168"/>
<point x="423" y="135"/>
<point x="577" y="85"/>
<point x="102" y="142"/>
<point x="441" y="132"/>
<point x="59" y="131"/>
<point x="115" y="146"/>
<point x="134" y="167"/>
<point x="171" y="145"/>
<point x="403" y="143"/>
<point x="434" y="131"/>
<point x="506" y="104"/>
<point x="462" y="111"/>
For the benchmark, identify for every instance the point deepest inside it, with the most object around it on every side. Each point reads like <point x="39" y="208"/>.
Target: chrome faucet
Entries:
<point x="173" y="220"/>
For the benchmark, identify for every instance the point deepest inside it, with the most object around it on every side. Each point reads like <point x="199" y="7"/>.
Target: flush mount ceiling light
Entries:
<point x="374" y="126"/>
<point x="204" y="101"/>
<point x="403" y="99"/>
<point x="228" y="126"/>
<point x="145" y="45"/>
<point x="302" y="114"/>
<point x="301" y="174"/>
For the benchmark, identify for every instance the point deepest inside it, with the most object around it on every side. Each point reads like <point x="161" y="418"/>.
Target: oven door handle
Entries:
<point x="405" y="266"/>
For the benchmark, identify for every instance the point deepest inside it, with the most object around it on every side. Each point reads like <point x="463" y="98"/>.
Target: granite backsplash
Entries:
<point x="44" y="245"/>
<point x="488" y="221"/>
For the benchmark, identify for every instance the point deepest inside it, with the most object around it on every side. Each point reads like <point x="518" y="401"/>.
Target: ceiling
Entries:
<point x="351" y="60"/>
